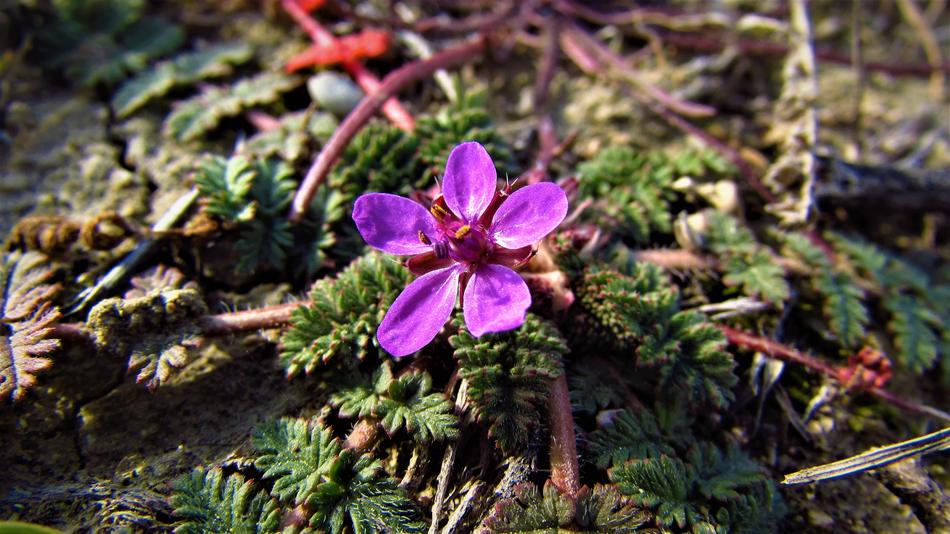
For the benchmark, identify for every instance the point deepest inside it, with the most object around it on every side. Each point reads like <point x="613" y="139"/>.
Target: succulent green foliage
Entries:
<point x="296" y="453"/>
<point x="341" y="488"/>
<point x="343" y="314"/>
<point x="155" y="332"/>
<point x="633" y="190"/>
<point x="208" y="502"/>
<point x="602" y="509"/>
<point x="185" y="69"/>
<point x="916" y="305"/>
<point x="100" y="41"/>
<point x="466" y="120"/>
<point x="26" y="317"/>
<point x="694" y="493"/>
<point x="401" y="402"/>
<point x="639" y="314"/>
<point x="193" y="118"/>
<point x="842" y="300"/>
<point x="380" y="158"/>
<point x="746" y="263"/>
<point x="509" y="376"/>
<point x="626" y="435"/>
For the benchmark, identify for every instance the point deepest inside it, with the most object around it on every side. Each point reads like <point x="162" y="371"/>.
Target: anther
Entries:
<point x="438" y="211"/>
<point x="463" y="231"/>
<point x="423" y="239"/>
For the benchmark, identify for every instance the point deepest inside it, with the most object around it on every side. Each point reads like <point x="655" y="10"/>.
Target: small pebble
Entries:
<point x="334" y="92"/>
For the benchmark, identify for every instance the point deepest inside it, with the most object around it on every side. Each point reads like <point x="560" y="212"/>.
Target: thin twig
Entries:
<point x="394" y="82"/>
<point x="393" y="110"/>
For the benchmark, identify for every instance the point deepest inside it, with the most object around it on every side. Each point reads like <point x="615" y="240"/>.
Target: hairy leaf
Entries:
<point x="509" y="375"/>
<point x="343" y="315"/>
<point x="297" y="453"/>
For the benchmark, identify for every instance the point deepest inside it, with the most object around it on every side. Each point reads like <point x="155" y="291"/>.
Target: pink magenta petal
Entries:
<point x="496" y="300"/>
<point x="469" y="180"/>
<point x="528" y="215"/>
<point x="419" y="312"/>
<point x="392" y="223"/>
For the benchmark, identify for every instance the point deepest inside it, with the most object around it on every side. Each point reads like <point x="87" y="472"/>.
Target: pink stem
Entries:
<point x="393" y="110"/>
<point x="565" y="472"/>
<point x="396" y="80"/>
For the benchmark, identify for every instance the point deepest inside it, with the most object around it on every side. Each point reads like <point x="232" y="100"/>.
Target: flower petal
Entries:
<point x="419" y="312"/>
<point x="529" y="214"/>
<point x="496" y="300"/>
<point x="392" y="223"/>
<point x="468" y="184"/>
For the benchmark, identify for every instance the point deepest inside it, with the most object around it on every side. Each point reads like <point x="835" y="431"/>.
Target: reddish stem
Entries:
<point x="786" y="353"/>
<point x="257" y="319"/>
<point x="705" y="43"/>
<point x="393" y="110"/>
<point x="565" y="472"/>
<point x="396" y="80"/>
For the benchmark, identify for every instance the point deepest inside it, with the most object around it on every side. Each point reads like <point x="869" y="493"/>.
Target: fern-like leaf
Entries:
<point x="266" y="239"/>
<point x="27" y="318"/>
<point x="509" y="375"/>
<point x="207" y="502"/>
<point x="530" y="511"/>
<point x="355" y="494"/>
<point x="193" y="118"/>
<point x="403" y="402"/>
<point x="910" y="322"/>
<point x="296" y="453"/>
<point x="380" y="158"/>
<point x="662" y="483"/>
<point x="185" y="69"/>
<point x="629" y="435"/>
<point x="604" y="509"/>
<point x="343" y="315"/>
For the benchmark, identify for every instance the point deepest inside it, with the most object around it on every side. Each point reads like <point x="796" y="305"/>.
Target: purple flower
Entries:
<point x="465" y="244"/>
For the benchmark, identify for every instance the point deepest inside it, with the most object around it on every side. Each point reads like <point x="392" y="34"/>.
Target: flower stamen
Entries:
<point x="463" y="231"/>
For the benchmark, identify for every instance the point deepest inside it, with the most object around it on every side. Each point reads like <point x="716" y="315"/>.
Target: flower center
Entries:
<point x="468" y="243"/>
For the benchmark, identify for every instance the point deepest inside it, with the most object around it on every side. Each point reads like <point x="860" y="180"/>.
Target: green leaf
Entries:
<point x="343" y="315"/>
<point x="185" y="69"/>
<point x="208" y="503"/>
<point x="530" y="511"/>
<point x="758" y="275"/>
<point x="910" y="322"/>
<point x="297" y="453"/>
<point x="353" y="489"/>
<point x="403" y="402"/>
<point x="662" y="483"/>
<point x="267" y="238"/>
<point x="509" y="376"/>
<point x="843" y="307"/>
<point x="195" y="117"/>
<point x="627" y="435"/>
<point x="604" y="509"/>
<point x="224" y="186"/>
